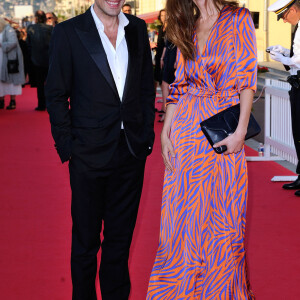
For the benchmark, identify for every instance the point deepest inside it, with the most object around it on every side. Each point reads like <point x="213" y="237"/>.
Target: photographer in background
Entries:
<point x="289" y="11"/>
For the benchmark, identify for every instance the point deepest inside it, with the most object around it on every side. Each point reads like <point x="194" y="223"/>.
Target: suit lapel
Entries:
<point x="132" y="45"/>
<point x="90" y="38"/>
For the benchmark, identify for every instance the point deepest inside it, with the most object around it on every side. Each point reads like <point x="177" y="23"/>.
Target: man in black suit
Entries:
<point x="101" y="60"/>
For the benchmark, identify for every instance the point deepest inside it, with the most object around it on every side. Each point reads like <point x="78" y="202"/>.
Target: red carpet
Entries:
<point x="35" y="222"/>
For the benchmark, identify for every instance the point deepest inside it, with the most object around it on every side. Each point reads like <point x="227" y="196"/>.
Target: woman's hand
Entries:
<point x="233" y="142"/>
<point x="166" y="149"/>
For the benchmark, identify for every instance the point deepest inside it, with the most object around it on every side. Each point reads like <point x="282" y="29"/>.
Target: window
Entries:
<point x="255" y="17"/>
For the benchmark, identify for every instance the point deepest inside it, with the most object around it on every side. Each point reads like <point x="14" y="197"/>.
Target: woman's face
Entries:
<point x="163" y="17"/>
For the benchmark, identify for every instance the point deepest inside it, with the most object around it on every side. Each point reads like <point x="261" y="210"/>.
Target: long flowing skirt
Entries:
<point x="201" y="251"/>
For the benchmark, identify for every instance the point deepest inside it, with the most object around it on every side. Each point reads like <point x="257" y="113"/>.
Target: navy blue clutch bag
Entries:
<point x="224" y="123"/>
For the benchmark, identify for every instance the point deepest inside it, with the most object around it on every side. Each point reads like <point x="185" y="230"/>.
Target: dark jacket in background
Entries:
<point x="38" y="40"/>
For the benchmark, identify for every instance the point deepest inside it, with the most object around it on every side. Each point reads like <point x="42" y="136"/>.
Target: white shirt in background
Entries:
<point x="294" y="62"/>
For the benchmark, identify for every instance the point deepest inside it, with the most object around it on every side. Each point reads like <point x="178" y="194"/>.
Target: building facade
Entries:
<point x="146" y="6"/>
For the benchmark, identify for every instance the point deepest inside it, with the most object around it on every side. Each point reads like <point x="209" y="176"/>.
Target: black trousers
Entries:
<point x="41" y="75"/>
<point x="111" y="195"/>
<point x="295" y="113"/>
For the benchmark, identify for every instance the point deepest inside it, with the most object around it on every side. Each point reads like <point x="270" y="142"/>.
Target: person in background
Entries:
<point x="24" y="48"/>
<point x="168" y="66"/>
<point x="159" y="50"/>
<point x="289" y="11"/>
<point x="10" y="83"/>
<point x="126" y="9"/>
<point x="25" y="22"/>
<point x="201" y="252"/>
<point x="51" y="19"/>
<point x="38" y="40"/>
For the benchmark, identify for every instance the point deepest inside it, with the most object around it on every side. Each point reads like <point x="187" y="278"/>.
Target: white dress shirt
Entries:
<point x="294" y="61"/>
<point x="117" y="57"/>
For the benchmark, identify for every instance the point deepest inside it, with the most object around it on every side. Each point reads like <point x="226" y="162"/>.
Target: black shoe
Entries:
<point x="1" y="104"/>
<point x="12" y="104"/>
<point x="40" y="108"/>
<point x="297" y="193"/>
<point x="292" y="186"/>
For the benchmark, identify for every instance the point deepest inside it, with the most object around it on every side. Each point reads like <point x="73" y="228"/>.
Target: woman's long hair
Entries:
<point x="159" y="16"/>
<point x="181" y="17"/>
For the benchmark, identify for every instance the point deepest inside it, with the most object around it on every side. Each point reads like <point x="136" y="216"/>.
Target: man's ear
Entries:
<point x="295" y="8"/>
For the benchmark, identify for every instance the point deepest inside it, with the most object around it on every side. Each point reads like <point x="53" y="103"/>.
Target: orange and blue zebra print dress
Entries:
<point x="201" y="251"/>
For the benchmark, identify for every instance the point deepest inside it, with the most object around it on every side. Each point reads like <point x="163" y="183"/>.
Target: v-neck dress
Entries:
<point x="201" y="252"/>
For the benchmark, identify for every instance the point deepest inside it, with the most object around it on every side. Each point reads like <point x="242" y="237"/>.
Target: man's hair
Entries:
<point x="40" y="16"/>
<point x="126" y="4"/>
<point x="297" y="4"/>
<point x="52" y="13"/>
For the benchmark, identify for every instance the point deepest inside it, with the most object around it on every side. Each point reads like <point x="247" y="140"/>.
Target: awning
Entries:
<point x="149" y="17"/>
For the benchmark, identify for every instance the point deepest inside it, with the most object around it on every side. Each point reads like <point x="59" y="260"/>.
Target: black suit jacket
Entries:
<point x="90" y="128"/>
<point x="38" y="39"/>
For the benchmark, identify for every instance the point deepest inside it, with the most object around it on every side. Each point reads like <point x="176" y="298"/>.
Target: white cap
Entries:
<point x="280" y="7"/>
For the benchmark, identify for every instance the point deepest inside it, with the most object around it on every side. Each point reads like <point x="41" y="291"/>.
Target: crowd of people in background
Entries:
<point x="24" y="56"/>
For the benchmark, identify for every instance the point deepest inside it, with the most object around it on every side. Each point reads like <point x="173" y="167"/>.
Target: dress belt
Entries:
<point x="212" y="93"/>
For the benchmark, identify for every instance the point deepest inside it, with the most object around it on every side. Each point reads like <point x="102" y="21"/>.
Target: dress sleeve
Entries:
<point x="246" y="51"/>
<point x="180" y="84"/>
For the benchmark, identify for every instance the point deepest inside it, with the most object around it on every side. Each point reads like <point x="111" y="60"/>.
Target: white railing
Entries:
<point x="278" y="128"/>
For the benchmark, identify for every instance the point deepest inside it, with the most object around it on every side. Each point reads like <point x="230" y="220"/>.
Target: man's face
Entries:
<point x="110" y="8"/>
<point x="126" y="9"/>
<point x="50" y="19"/>
<point x="291" y="16"/>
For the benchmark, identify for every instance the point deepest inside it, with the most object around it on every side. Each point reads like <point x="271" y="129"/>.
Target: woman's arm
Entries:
<point x="166" y="144"/>
<point x="246" y="65"/>
<point x="235" y="142"/>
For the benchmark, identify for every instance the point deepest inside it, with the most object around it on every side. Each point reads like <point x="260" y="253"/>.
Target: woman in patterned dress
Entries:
<point x="201" y="251"/>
